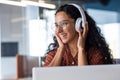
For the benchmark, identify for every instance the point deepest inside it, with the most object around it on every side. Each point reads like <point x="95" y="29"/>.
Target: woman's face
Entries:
<point x="65" y="27"/>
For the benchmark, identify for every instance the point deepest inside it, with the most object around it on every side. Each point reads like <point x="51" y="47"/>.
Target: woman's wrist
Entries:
<point x="61" y="49"/>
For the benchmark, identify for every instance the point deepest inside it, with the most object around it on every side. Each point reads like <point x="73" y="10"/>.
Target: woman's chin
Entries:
<point x="64" y="41"/>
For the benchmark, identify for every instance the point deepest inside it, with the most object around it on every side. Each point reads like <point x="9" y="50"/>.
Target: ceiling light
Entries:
<point x="40" y="4"/>
<point x="47" y="5"/>
<point x="15" y="3"/>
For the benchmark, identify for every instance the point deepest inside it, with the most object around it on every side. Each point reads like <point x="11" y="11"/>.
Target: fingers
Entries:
<point x="56" y="35"/>
<point x="85" y="30"/>
<point x="82" y="36"/>
<point x="80" y="32"/>
<point x="59" y="40"/>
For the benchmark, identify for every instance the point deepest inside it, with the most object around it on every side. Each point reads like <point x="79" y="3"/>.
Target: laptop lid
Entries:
<point x="96" y="72"/>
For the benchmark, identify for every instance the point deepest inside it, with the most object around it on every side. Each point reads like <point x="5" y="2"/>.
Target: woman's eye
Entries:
<point x="56" y="26"/>
<point x="63" y="23"/>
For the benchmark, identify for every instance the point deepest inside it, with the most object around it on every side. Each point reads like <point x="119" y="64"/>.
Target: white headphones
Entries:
<point x="79" y="19"/>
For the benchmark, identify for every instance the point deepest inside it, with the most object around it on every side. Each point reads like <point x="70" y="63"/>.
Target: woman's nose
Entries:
<point x="59" y="30"/>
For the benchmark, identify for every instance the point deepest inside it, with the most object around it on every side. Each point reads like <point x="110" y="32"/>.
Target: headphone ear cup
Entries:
<point x="77" y="24"/>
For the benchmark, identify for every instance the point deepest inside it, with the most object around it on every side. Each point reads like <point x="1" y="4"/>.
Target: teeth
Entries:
<point x="63" y="34"/>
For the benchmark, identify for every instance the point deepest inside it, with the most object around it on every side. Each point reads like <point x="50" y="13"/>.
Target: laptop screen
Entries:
<point x="96" y="72"/>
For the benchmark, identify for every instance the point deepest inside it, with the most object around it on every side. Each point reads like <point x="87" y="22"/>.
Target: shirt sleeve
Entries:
<point x="49" y="58"/>
<point x="95" y="57"/>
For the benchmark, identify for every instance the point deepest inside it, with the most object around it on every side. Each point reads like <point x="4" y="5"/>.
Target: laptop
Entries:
<point x="96" y="72"/>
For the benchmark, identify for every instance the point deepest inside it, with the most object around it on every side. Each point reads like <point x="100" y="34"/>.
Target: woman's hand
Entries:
<point x="82" y="36"/>
<point x="60" y="43"/>
<point x="56" y="61"/>
<point x="82" y="60"/>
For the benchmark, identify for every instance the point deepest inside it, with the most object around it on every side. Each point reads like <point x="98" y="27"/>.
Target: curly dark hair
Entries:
<point x="94" y="38"/>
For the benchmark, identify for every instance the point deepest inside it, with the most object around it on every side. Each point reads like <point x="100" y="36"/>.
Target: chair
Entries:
<point x="25" y="64"/>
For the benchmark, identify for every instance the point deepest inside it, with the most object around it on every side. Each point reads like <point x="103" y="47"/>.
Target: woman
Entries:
<point x="72" y="48"/>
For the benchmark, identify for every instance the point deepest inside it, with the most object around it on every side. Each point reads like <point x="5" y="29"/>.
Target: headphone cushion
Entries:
<point x="77" y="24"/>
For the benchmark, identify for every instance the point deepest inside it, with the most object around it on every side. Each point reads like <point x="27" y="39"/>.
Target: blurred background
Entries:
<point x="25" y="27"/>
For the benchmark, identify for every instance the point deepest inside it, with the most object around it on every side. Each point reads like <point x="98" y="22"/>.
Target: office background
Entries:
<point x="26" y="29"/>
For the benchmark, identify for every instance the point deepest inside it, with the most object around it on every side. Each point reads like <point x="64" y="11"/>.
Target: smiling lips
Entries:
<point x="63" y="35"/>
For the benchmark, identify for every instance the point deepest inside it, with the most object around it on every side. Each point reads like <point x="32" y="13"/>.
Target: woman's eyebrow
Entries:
<point x="62" y="21"/>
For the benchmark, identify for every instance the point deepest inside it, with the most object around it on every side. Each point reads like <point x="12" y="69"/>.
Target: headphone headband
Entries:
<point x="82" y="15"/>
<point x="81" y="12"/>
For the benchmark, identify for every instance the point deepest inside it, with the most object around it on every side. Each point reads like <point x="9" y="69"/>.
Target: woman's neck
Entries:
<point x="73" y="46"/>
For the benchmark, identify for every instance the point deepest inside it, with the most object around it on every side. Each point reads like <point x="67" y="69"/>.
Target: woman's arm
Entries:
<point x="54" y="58"/>
<point x="82" y="60"/>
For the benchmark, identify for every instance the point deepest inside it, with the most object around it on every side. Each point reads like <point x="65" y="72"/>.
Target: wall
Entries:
<point x="109" y="22"/>
<point x="12" y="25"/>
<point x="8" y="68"/>
<point x="11" y="18"/>
<point x="14" y="28"/>
<point x="0" y="50"/>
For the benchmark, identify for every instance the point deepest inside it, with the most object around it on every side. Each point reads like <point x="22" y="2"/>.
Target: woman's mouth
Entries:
<point x="63" y="35"/>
